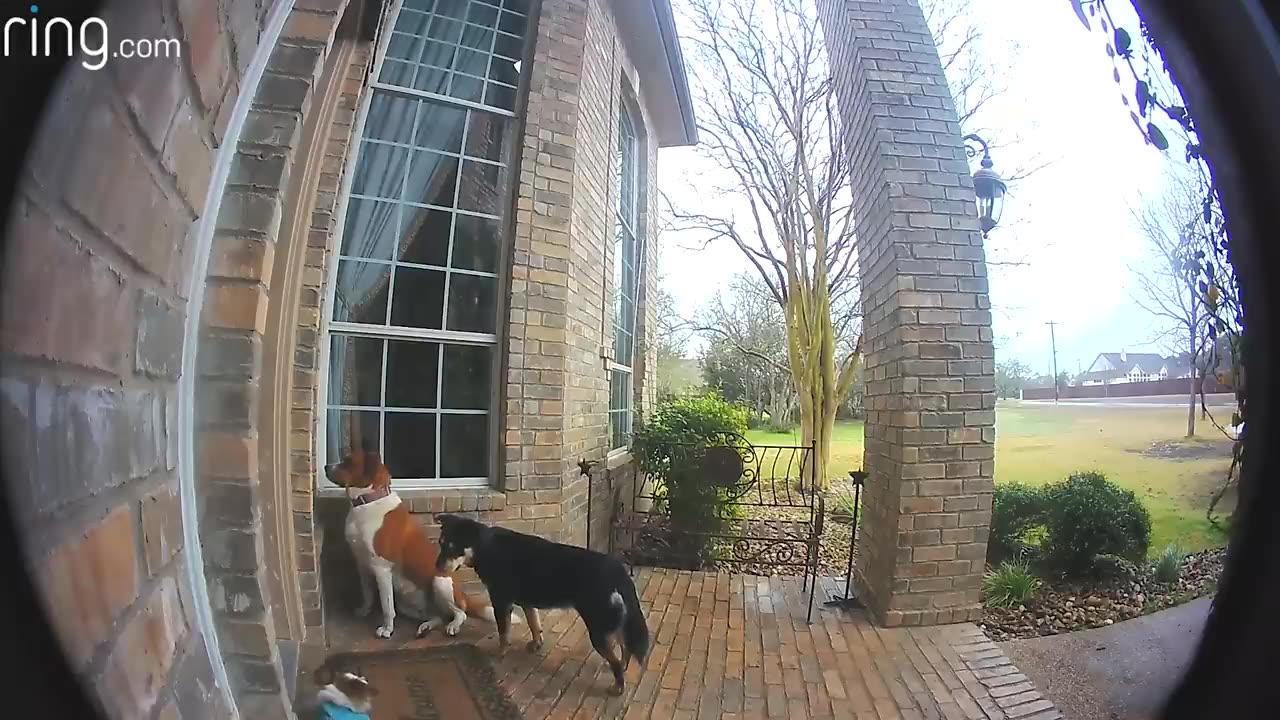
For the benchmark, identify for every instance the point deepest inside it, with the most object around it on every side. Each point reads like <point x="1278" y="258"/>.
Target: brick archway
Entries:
<point x="256" y="560"/>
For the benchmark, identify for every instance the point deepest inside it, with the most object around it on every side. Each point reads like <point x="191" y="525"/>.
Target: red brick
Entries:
<point x="89" y="580"/>
<point x="112" y="187"/>
<point x="206" y="48"/>
<point x="161" y="527"/>
<point x="242" y="258"/>
<point x="226" y="454"/>
<point x="245" y="26"/>
<point x="143" y="654"/>
<point x="309" y="27"/>
<point x="86" y="322"/>
<point x="236" y="307"/>
<point x="222" y="115"/>
<point x="933" y="553"/>
<point x="188" y="157"/>
<point x="152" y="88"/>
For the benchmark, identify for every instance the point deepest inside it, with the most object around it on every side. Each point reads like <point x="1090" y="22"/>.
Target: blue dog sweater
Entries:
<point x="333" y="711"/>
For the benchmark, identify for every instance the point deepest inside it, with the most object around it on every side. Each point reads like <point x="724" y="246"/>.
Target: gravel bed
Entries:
<point x="1064" y="607"/>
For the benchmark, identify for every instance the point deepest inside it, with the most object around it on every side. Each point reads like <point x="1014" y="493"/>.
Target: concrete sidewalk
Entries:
<point x="1121" y="672"/>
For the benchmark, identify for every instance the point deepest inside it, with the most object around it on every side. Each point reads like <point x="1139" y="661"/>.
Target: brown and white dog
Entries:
<point x="394" y="553"/>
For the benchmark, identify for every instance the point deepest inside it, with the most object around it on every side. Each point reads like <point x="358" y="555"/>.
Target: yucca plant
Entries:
<point x="1169" y="565"/>
<point x="1011" y="583"/>
<point x="841" y="506"/>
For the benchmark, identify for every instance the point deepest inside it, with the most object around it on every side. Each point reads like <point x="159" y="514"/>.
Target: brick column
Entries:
<point x="927" y="328"/>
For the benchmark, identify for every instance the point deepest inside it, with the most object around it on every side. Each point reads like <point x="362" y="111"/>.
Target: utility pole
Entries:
<point x="1054" y="340"/>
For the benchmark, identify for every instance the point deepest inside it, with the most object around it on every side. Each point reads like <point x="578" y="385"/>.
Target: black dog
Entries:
<point x="531" y="572"/>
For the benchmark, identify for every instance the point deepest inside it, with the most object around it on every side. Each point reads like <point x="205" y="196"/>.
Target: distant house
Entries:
<point x="1125" y="367"/>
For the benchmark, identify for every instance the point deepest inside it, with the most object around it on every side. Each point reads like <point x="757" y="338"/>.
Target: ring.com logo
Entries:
<point x="49" y="37"/>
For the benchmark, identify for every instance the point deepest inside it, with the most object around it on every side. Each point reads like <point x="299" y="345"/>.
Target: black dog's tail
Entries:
<point x="635" y="631"/>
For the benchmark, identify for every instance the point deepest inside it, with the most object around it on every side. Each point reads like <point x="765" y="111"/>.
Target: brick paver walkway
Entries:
<point x="738" y="647"/>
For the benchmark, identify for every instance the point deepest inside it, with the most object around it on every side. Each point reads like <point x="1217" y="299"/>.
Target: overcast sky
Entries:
<point x="1070" y="222"/>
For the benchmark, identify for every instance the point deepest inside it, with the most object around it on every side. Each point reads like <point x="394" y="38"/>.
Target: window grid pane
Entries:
<point x="418" y="188"/>
<point x="620" y="415"/>
<point x="451" y="48"/>
<point x="421" y="244"/>
<point x="625" y="280"/>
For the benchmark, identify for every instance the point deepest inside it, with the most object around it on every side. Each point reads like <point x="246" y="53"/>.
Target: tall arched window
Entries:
<point x="413" y="308"/>
<point x="626" y="271"/>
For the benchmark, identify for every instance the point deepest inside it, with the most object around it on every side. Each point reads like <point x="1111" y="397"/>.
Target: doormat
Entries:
<point x="449" y="682"/>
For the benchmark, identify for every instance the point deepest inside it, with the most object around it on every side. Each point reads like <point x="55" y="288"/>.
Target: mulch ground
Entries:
<point x="1064" y="607"/>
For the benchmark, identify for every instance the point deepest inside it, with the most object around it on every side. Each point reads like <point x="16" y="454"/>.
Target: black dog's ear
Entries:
<point x="447" y="519"/>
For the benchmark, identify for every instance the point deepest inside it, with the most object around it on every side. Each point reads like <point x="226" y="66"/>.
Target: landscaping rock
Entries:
<point x="1064" y="607"/>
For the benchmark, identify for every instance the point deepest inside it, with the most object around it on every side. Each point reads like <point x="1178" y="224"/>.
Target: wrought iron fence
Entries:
<point x="726" y="504"/>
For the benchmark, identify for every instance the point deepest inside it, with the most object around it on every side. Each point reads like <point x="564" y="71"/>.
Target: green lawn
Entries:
<point x="1037" y="444"/>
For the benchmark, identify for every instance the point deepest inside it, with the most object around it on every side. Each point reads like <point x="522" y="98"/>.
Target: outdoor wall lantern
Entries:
<point x="987" y="185"/>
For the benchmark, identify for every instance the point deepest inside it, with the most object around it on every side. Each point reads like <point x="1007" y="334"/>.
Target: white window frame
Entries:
<point x="632" y="226"/>
<point x="329" y="327"/>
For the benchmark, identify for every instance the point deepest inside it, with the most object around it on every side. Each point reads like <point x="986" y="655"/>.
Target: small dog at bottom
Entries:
<point x="342" y="695"/>
<point x="534" y="573"/>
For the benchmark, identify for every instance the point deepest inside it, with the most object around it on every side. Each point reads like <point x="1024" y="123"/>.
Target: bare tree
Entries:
<point x="1168" y="283"/>
<point x="751" y="325"/>
<point x="672" y="332"/>
<point x="975" y="74"/>
<point x="768" y="119"/>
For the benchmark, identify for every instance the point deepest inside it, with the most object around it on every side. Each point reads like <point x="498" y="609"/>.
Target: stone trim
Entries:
<point x="237" y="292"/>
<point x="333" y="144"/>
<point x="1000" y="689"/>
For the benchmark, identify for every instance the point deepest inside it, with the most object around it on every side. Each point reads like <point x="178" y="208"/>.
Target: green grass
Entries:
<point x="1038" y="444"/>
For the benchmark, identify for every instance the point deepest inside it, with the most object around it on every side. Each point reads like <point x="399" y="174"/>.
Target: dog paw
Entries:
<point x="616" y="690"/>
<point x="453" y="628"/>
<point x="384" y="631"/>
<point x="427" y="627"/>
<point x="534" y="646"/>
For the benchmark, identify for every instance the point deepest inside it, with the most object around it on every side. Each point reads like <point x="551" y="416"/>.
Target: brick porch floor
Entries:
<point x="735" y="646"/>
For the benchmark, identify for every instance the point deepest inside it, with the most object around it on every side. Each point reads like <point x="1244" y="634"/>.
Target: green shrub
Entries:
<point x="1012" y="583"/>
<point x="1087" y="515"/>
<point x="1017" y="513"/>
<point x="1111" y="567"/>
<point x="666" y="447"/>
<point x="1169" y="565"/>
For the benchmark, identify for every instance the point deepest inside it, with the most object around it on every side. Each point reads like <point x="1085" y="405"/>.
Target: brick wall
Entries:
<point x="929" y="365"/>
<point x="238" y="292"/>
<point x="556" y="385"/>
<point x="109" y="215"/>
<point x="304" y="408"/>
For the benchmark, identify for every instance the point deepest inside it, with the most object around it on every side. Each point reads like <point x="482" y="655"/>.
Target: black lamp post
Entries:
<point x="987" y="185"/>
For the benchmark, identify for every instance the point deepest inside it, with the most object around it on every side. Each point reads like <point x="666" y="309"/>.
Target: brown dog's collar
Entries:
<point x="370" y="497"/>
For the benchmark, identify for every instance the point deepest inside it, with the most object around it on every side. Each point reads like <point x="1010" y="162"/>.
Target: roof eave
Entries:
<point x="676" y="67"/>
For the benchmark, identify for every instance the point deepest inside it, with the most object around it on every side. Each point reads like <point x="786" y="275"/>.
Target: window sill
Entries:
<point x="419" y="491"/>
<point x="617" y="458"/>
